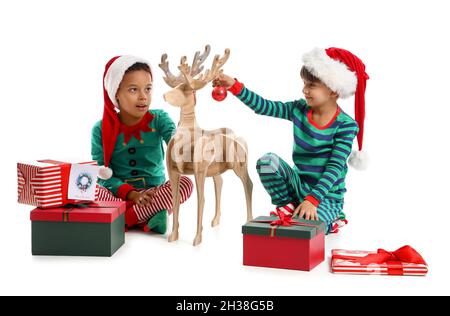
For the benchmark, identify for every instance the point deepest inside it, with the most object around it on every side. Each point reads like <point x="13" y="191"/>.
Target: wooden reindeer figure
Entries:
<point x="194" y="151"/>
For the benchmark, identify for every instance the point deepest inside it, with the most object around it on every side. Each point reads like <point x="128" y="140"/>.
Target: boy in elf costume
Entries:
<point x="127" y="143"/>
<point x="323" y="136"/>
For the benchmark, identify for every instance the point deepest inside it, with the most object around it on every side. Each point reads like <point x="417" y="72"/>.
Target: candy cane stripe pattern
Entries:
<point x="162" y="200"/>
<point x="42" y="183"/>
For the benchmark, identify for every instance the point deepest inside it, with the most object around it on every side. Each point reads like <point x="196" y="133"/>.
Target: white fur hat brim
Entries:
<point x="334" y="74"/>
<point x="116" y="71"/>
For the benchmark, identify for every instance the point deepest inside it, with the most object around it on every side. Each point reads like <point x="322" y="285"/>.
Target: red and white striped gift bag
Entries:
<point x="342" y="262"/>
<point x="44" y="183"/>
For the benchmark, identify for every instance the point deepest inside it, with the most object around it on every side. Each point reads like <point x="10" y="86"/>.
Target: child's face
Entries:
<point x="317" y="93"/>
<point x="134" y="93"/>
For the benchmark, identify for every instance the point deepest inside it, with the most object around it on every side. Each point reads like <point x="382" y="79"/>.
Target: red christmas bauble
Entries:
<point x="219" y="93"/>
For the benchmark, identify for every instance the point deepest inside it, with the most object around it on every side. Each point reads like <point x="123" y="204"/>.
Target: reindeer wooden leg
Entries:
<point x="242" y="172"/>
<point x="218" y="188"/>
<point x="174" y="178"/>
<point x="200" y="184"/>
<point x="248" y="187"/>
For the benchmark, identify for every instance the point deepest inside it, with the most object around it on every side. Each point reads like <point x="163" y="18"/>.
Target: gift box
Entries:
<point x="404" y="261"/>
<point x="94" y="229"/>
<point x="45" y="183"/>
<point x="271" y="242"/>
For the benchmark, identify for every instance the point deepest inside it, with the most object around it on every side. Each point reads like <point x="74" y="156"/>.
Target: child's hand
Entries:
<point x="307" y="209"/>
<point x="223" y="81"/>
<point x="141" y="198"/>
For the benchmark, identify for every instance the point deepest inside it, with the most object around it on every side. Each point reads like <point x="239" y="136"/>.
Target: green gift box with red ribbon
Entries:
<point x="283" y="242"/>
<point x="94" y="229"/>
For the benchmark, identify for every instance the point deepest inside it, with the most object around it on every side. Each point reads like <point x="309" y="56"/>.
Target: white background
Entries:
<point x="52" y="60"/>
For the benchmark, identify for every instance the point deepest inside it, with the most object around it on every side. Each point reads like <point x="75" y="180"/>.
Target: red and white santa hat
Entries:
<point x="114" y="71"/>
<point x="345" y="74"/>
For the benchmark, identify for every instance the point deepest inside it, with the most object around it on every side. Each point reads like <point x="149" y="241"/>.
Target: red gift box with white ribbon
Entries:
<point x="404" y="261"/>
<point x="45" y="183"/>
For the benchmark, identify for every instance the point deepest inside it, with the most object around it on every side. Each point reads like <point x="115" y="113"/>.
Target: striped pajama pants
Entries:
<point x="137" y="214"/>
<point x="285" y="186"/>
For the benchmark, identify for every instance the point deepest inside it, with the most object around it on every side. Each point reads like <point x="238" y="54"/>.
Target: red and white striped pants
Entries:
<point x="162" y="200"/>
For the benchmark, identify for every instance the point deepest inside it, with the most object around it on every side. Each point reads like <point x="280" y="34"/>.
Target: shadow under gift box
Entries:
<point x="285" y="247"/>
<point x="94" y="229"/>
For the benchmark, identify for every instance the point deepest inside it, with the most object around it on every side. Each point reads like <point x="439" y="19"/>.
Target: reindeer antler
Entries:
<point x="170" y="79"/>
<point x="212" y="73"/>
<point x="187" y="74"/>
<point x="199" y="60"/>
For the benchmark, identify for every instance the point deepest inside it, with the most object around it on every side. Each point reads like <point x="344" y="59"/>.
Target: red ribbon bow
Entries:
<point x="394" y="259"/>
<point x="405" y="254"/>
<point x="283" y="219"/>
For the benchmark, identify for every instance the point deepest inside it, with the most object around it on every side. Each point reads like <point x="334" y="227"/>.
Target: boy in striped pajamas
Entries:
<point x="127" y="143"/>
<point x="323" y="136"/>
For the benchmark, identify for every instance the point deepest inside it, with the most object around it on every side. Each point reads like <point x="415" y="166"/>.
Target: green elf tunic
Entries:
<point x="137" y="162"/>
